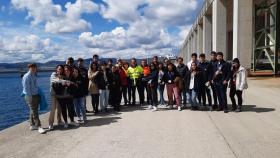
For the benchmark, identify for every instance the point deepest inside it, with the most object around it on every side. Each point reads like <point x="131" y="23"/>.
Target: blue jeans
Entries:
<point x="193" y="97"/>
<point x="161" y="93"/>
<point x="104" y="99"/>
<point x="80" y="107"/>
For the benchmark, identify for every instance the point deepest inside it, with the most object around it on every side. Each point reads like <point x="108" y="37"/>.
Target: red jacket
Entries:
<point x="123" y="76"/>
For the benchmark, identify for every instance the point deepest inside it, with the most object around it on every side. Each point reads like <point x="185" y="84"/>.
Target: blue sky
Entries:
<point x="44" y="30"/>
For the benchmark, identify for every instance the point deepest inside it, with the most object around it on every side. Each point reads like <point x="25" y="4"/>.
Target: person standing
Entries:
<point x="144" y="84"/>
<point x="220" y="80"/>
<point x="103" y="86"/>
<point x="152" y="84"/>
<point x="84" y="73"/>
<point x="32" y="98"/>
<point x="115" y="88"/>
<point x="205" y="69"/>
<point x="55" y="77"/>
<point x="213" y="63"/>
<point x="170" y="78"/>
<point x="161" y="84"/>
<point x="238" y="83"/>
<point x="93" y="87"/>
<point x="124" y="82"/>
<point x="79" y="95"/>
<point x="194" y="82"/>
<point x="182" y="70"/>
<point x="134" y="73"/>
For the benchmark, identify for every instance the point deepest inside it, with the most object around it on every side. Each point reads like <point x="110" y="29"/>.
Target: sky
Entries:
<point x="44" y="30"/>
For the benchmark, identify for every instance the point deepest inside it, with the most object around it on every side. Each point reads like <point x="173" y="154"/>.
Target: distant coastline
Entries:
<point x="19" y="71"/>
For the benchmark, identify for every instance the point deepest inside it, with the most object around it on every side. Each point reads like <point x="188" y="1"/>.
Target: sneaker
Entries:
<point x="150" y="107"/>
<point x="74" y="124"/>
<point x="66" y="125"/>
<point x="41" y="130"/>
<point x="32" y="128"/>
<point x="179" y="108"/>
<point x="50" y="127"/>
<point x="154" y="108"/>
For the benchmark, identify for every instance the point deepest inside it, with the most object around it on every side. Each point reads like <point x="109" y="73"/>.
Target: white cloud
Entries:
<point x="123" y="12"/>
<point x="26" y="48"/>
<point x="148" y="22"/>
<point x="55" y="19"/>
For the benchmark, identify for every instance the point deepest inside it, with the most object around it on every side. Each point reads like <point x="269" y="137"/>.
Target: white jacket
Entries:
<point x="241" y="79"/>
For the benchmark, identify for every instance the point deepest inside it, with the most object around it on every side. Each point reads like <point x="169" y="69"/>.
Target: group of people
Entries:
<point x="107" y="83"/>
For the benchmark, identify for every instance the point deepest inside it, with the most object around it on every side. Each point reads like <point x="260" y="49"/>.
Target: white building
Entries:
<point x="247" y="29"/>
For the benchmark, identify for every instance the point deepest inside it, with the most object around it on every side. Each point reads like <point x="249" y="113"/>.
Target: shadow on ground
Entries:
<point x="101" y="121"/>
<point x="254" y="108"/>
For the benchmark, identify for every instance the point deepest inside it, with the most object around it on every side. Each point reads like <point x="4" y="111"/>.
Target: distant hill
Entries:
<point x="50" y="65"/>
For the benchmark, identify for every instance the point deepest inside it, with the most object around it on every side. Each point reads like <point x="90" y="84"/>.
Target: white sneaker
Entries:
<point x="50" y="127"/>
<point x="66" y="125"/>
<point x="150" y="107"/>
<point x="32" y="128"/>
<point x="41" y="130"/>
<point x="179" y="108"/>
<point x="154" y="108"/>
<point x="74" y="124"/>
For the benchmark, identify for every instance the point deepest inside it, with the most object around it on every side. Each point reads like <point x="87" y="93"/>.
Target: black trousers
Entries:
<point x="214" y="94"/>
<point x="153" y="95"/>
<point x="123" y="94"/>
<point x="129" y="90"/>
<point x="232" y="94"/>
<point x="115" y="96"/>
<point x="221" y="91"/>
<point x="202" y="95"/>
<point x="95" y="102"/>
<point x="140" y="90"/>
<point x="67" y="106"/>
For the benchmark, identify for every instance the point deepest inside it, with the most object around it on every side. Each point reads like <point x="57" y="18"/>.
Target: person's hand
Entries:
<point x="225" y="82"/>
<point x="68" y="84"/>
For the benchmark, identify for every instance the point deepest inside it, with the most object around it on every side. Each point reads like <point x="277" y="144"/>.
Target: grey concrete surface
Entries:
<point x="140" y="133"/>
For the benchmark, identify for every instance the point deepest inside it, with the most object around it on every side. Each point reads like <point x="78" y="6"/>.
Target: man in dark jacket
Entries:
<point x="84" y="75"/>
<point x="213" y="61"/>
<point x="220" y="80"/>
<point x="205" y="68"/>
<point x="182" y="69"/>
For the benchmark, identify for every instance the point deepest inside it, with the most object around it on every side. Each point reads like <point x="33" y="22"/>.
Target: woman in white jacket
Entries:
<point x="238" y="83"/>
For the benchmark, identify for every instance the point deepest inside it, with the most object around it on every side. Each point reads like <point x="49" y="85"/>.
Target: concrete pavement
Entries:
<point x="140" y="133"/>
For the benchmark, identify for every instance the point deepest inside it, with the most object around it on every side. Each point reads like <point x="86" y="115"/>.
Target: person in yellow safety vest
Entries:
<point x="135" y="74"/>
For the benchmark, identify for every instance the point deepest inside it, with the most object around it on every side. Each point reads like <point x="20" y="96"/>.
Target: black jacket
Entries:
<point x="206" y="70"/>
<point x="198" y="80"/>
<point x="100" y="80"/>
<point x="182" y="70"/>
<point x="152" y="78"/>
<point x="114" y="80"/>
<point x="84" y="74"/>
<point x="80" y="86"/>
<point x="170" y="76"/>
<point x="224" y="68"/>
